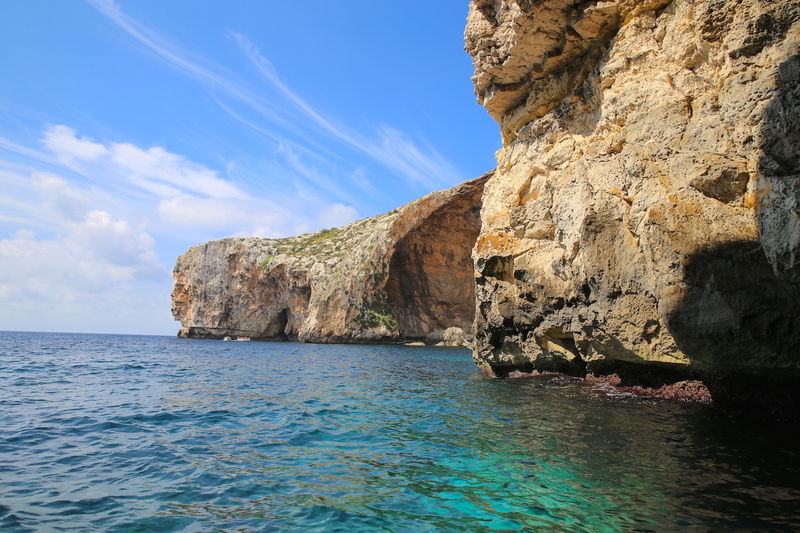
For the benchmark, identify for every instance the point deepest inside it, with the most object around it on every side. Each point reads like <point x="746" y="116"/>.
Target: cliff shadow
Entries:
<point x="778" y="185"/>
<point x="739" y="318"/>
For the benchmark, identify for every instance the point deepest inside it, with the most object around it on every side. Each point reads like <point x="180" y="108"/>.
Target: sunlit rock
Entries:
<point x="403" y="275"/>
<point x="645" y="204"/>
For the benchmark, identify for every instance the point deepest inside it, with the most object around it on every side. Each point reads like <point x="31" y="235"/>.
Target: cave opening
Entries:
<point x="431" y="284"/>
<point x="278" y="328"/>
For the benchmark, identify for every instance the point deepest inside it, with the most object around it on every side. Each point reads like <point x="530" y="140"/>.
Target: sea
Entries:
<point x="152" y="434"/>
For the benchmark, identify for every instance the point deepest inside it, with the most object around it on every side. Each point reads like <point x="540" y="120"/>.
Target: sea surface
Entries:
<point x="141" y="433"/>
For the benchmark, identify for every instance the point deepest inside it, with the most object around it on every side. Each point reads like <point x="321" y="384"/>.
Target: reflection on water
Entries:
<point x="155" y="433"/>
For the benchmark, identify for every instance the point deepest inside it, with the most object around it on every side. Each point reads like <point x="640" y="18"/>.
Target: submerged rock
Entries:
<point x="646" y="204"/>
<point x="403" y="275"/>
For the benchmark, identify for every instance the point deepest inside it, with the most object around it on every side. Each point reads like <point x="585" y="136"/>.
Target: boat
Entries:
<point x="242" y="338"/>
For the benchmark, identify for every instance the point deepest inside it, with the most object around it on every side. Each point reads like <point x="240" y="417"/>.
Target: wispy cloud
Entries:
<point x="26" y="152"/>
<point x="274" y="137"/>
<point x="178" y="193"/>
<point x="178" y="59"/>
<point x="287" y="116"/>
<point x="312" y="175"/>
<point x="67" y="145"/>
<point x="395" y="150"/>
<point x="267" y="70"/>
<point x="70" y="244"/>
<point x="199" y="69"/>
<point x="154" y="169"/>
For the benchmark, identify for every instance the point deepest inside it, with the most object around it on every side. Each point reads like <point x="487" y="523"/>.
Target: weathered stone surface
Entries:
<point x="646" y="204"/>
<point x="402" y="275"/>
<point x="455" y="336"/>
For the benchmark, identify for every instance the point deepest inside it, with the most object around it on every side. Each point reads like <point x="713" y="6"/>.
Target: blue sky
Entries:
<point x="132" y="130"/>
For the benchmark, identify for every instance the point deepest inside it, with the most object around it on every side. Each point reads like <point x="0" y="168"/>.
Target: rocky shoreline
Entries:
<point x="403" y="276"/>
<point x="641" y="228"/>
<point x="643" y="214"/>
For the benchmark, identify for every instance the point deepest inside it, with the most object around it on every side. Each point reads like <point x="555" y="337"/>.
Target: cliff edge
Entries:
<point x="645" y="211"/>
<point x="643" y="222"/>
<point x="404" y="275"/>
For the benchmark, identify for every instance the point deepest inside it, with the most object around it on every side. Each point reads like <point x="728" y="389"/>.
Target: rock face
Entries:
<point x="403" y="275"/>
<point x="646" y="204"/>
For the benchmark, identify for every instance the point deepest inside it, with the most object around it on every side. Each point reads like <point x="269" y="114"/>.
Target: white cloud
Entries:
<point x="188" y="200"/>
<point x="92" y="256"/>
<point x="157" y="165"/>
<point x="229" y="217"/>
<point x="65" y="143"/>
<point x="252" y="218"/>
<point x="24" y="234"/>
<point x="201" y="213"/>
<point x="336" y="215"/>
<point x="55" y="285"/>
<point x="83" y="268"/>
<point x="58" y="197"/>
<point x="123" y="250"/>
<point x="155" y="170"/>
<point x="86" y="247"/>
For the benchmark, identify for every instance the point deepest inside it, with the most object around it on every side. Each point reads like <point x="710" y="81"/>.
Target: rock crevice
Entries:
<point x="644" y="208"/>
<point x="403" y="275"/>
<point x="643" y="218"/>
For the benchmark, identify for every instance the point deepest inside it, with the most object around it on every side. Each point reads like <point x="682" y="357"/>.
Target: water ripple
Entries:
<point x="126" y="433"/>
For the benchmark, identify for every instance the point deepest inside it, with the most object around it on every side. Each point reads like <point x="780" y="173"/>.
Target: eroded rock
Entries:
<point x="645" y="205"/>
<point x="403" y="275"/>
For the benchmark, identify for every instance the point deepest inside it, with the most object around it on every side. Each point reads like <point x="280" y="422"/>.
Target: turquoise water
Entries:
<point x="129" y="433"/>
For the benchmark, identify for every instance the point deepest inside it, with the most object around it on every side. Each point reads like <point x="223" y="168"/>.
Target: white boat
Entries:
<point x="242" y="338"/>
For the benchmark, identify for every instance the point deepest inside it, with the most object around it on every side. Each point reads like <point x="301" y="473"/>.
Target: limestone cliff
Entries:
<point x="646" y="204"/>
<point x="403" y="275"/>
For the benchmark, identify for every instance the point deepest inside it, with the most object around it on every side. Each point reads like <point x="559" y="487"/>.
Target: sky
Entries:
<point x="133" y="130"/>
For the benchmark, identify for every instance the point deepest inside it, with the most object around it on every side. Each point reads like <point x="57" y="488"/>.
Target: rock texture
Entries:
<point x="403" y="275"/>
<point x="646" y="204"/>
